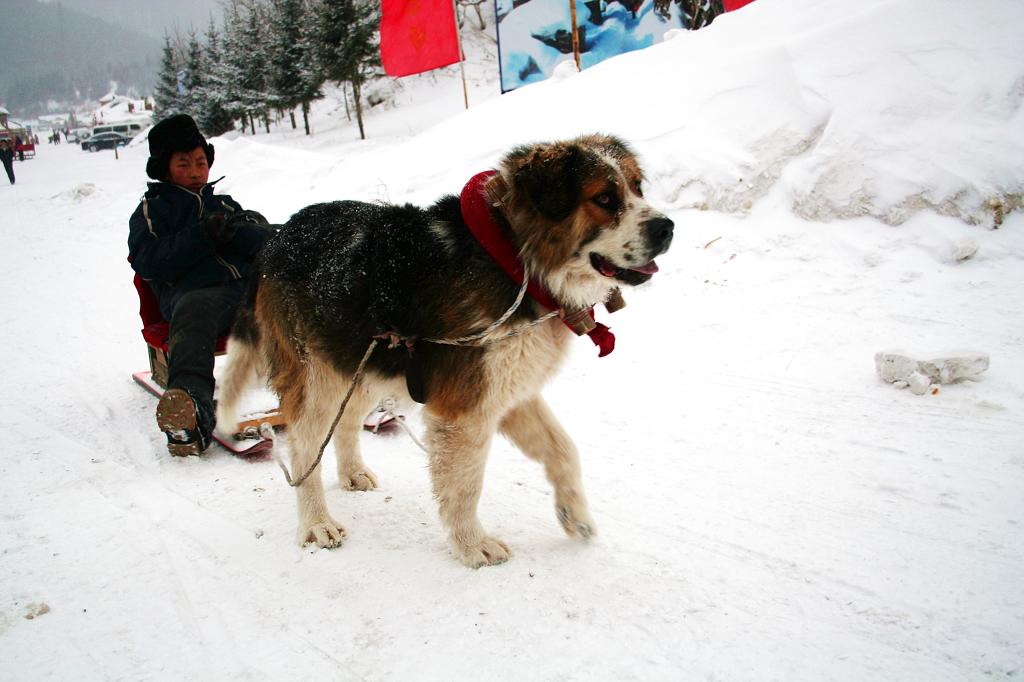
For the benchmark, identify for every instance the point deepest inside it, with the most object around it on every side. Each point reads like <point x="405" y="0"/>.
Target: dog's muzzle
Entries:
<point x="659" y="234"/>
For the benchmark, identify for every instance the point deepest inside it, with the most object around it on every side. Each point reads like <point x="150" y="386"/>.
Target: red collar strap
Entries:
<point x="477" y="214"/>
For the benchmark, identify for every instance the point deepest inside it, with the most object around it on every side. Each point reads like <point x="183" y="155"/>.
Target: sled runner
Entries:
<point x="382" y="421"/>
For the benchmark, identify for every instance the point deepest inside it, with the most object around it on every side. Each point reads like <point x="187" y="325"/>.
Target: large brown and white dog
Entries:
<point x="339" y="274"/>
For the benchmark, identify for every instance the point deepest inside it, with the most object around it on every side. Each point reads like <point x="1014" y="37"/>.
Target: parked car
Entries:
<point x="105" y="141"/>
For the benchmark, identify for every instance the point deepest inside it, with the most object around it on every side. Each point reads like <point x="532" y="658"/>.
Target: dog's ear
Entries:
<point x="549" y="177"/>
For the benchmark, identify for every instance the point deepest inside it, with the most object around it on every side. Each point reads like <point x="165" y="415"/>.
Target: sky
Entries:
<point x="767" y="507"/>
<point x="150" y="17"/>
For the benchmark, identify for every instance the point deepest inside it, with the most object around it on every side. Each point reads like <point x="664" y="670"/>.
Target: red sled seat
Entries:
<point x="156" y="331"/>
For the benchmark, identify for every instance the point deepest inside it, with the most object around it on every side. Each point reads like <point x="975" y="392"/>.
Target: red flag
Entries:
<point x="417" y="36"/>
<point x="731" y="5"/>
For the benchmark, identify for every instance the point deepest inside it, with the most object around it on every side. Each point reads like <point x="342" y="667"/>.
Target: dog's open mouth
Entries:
<point x="627" y="275"/>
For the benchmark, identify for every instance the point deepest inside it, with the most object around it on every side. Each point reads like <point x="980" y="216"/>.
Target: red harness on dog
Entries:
<point x="477" y="214"/>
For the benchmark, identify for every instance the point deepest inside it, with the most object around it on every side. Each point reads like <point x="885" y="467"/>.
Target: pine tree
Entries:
<point x="195" y="96"/>
<point x="256" y="96"/>
<point x="347" y="45"/>
<point x="167" y="100"/>
<point x="295" y="78"/>
<point x="700" y="13"/>
<point x="215" y="119"/>
<point x="230" y="68"/>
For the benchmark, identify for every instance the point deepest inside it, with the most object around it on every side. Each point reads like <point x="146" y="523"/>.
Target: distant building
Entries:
<point x="120" y="109"/>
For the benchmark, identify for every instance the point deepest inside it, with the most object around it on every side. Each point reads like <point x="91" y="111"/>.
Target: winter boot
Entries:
<point x="187" y="425"/>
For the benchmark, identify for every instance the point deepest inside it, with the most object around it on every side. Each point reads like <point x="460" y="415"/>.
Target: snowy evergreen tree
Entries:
<point x="295" y="77"/>
<point x="214" y="116"/>
<point x="254" y="65"/>
<point x="348" y="48"/>
<point x="464" y="6"/>
<point x="167" y="100"/>
<point x="195" y="97"/>
<point x="700" y="13"/>
<point x="228" y="69"/>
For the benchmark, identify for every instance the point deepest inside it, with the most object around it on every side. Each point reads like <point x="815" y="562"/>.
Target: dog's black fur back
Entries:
<point x="352" y="270"/>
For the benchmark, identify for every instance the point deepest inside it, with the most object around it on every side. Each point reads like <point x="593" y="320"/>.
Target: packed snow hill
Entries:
<point x="845" y="180"/>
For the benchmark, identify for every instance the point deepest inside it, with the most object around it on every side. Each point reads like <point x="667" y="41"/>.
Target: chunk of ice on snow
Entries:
<point x="903" y="370"/>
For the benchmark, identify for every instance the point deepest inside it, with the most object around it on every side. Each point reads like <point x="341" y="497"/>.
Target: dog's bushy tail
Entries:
<point x="243" y="357"/>
<point x="245" y="328"/>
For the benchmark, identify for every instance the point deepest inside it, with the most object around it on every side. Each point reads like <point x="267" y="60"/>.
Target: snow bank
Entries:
<point x="884" y="111"/>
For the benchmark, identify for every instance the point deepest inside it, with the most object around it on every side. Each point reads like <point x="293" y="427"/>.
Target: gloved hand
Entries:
<point x="219" y="228"/>
<point x="251" y="217"/>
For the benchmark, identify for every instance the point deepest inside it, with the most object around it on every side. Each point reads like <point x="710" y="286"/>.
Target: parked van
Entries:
<point x="129" y="129"/>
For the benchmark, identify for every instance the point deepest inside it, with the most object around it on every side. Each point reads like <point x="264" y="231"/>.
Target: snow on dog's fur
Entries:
<point x="340" y="273"/>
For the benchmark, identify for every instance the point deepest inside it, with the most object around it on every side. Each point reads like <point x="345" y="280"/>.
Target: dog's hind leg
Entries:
<point x="310" y="405"/>
<point x="533" y="428"/>
<point x="353" y="474"/>
<point x="458" y="452"/>
<point x="239" y="375"/>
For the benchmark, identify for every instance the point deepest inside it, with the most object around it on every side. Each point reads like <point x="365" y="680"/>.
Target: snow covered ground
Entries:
<point x="767" y="507"/>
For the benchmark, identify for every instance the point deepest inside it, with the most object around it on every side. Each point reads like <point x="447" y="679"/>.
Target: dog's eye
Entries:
<point x="639" y="190"/>
<point x="605" y="200"/>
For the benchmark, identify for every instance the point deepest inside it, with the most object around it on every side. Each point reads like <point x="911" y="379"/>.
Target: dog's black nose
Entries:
<point x="659" y="232"/>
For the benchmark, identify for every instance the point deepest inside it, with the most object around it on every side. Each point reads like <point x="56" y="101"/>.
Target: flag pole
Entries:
<point x="575" y="35"/>
<point x="462" y="55"/>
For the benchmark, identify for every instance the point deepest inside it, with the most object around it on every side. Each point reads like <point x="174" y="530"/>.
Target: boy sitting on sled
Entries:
<point x="195" y="249"/>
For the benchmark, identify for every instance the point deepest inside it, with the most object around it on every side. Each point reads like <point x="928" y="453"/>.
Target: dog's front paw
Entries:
<point x="488" y="552"/>
<point x="363" y="479"/>
<point x="326" y="534"/>
<point x="576" y="521"/>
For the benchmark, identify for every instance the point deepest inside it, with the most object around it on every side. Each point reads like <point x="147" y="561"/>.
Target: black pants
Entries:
<point x="9" y="167"/>
<point x="199" y="317"/>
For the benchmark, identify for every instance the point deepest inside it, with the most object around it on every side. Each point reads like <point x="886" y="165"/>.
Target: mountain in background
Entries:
<point x="52" y="52"/>
<point x="151" y="17"/>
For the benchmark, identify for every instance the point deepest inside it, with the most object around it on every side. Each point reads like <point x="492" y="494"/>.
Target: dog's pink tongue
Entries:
<point x="606" y="268"/>
<point x="648" y="269"/>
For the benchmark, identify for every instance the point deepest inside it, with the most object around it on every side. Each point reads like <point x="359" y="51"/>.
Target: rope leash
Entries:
<point x="388" y="407"/>
<point x="477" y="339"/>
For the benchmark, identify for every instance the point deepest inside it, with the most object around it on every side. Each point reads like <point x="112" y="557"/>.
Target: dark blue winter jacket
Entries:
<point x="170" y="248"/>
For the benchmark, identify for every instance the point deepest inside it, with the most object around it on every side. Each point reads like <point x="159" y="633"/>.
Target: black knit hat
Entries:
<point x="178" y="133"/>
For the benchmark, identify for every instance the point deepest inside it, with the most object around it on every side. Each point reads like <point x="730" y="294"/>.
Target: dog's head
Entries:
<point x="579" y="215"/>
